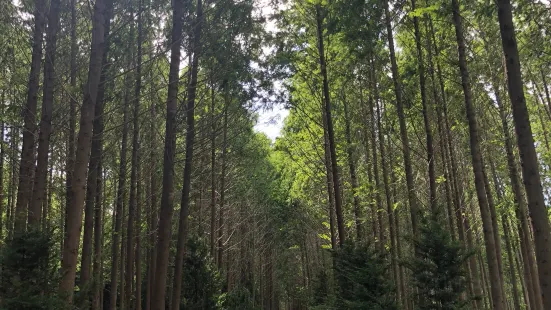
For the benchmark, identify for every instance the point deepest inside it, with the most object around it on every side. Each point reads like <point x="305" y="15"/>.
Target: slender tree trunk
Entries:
<point x="528" y="156"/>
<point x="498" y="299"/>
<point x="70" y="159"/>
<point x="425" y="110"/>
<point x="329" y="182"/>
<point x="82" y="156"/>
<point x="353" y="177"/>
<point x="94" y="192"/>
<point x="138" y="256"/>
<point x="330" y="130"/>
<point x="94" y="171"/>
<point x="133" y="202"/>
<point x="227" y="101"/>
<point x="529" y="261"/>
<point x="41" y="173"/>
<point x="167" y="195"/>
<point x="26" y="166"/>
<point x="190" y="140"/>
<point x="412" y="199"/>
<point x="388" y="194"/>
<point x="213" y="174"/>
<point x="378" y="199"/>
<point x="119" y="206"/>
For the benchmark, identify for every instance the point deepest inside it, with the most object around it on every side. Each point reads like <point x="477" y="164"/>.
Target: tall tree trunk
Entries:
<point x="82" y="156"/>
<point x="528" y="156"/>
<point x="167" y="195"/>
<point x="190" y="140"/>
<point x="498" y="299"/>
<point x="138" y="256"/>
<point x="133" y="202"/>
<point x="378" y="199"/>
<point x="353" y="177"/>
<point x="330" y="130"/>
<point x="425" y="110"/>
<point x="388" y="194"/>
<point x="212" y="174"/>
<point x="70" y="158"/>
<point x="227" y="101"/>
<point x="94" y="171"/>
<point x="41" y="173"/>
<point x="529" y="261"/>
<point x="119" y="207"/>
<point x="412" y="199"/>
<point x="94" y="192"/>
<point x="329" y="182"/>
<point x="26" y="166"/>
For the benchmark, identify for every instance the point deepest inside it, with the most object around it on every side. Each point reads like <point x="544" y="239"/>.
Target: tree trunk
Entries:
<point x="212" y="174"/>
<point x="26" y="166"/>
<point x="167" y="195"/>
<point x="74" y="211"/>
<point x="378" y="199"/>
<point x="353" y="178"/>
<point x="498" y="299"/>
<point x="190" y="140"/>
<point x="528" y="156"/>
<point x="41" y="173"/>
<point x="412" y="199"/>
<point x="227" y="101"/>
<point x="330" y="130"/>
<point x="425" y="110"/>
<point x="70" y="159"/>
<point x="119" y="206"/>
<point x="529" y="261"/>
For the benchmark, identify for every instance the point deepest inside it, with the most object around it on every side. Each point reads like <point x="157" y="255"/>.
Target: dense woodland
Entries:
<point x="412" y="172"/>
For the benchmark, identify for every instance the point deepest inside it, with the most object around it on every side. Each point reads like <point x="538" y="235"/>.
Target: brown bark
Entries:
<point x="212" y="174"/>
<point x="190" y="140"/>
<point x="498" y="299"/>
<point x="119" y="208"/>
<point x="74" y="211"/>
<point x="425" y="110"/>
<point x="41" y="173"/>
<point x="329" y="183"/>
<point x="412" y="199"/>
<point x="529" y="261"/>
<point x="330" y="130"/>
<point x="528" y="156"/>
<point x="167" y="195"/>
<point x="26" y="167"/>
<point x="227" y="101"/>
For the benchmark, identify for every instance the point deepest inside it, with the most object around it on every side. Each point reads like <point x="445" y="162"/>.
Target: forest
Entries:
<point x="411" y="168"/>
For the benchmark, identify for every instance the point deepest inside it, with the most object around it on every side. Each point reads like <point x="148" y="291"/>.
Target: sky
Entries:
<point x="270" y="121"/>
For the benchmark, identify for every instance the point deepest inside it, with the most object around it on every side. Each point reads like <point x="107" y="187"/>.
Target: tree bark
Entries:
<point x="74" y="211"/>
<point x="190" y="140"/>
<point x="330" y="130"/>
<point x="41" y="173"/>
<point x="117" y="257"/>
<point x="425" y="110"/>
<point x="227" y="101"/>
<point x="528" y="156"/>
<point x="167" y="195"/>
<point x="498" y="299"/>
<point x="26" y="166"/>
<point x="412" y="199"/>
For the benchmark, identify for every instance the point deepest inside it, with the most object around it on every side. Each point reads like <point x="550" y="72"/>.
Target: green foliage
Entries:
<point x="29" y="279"/>
<point x="363" y="281"/>
<point x="201" y="284"/>
<point x="437" y="269"/>
<point x="239" y="298"/>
